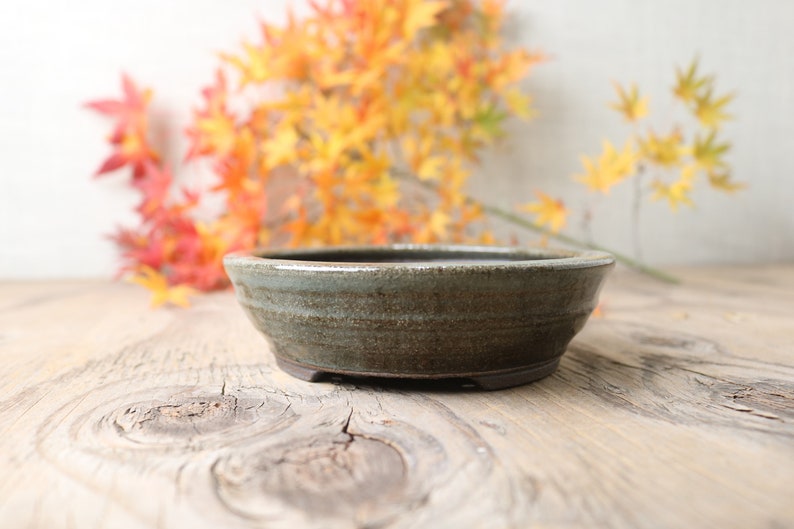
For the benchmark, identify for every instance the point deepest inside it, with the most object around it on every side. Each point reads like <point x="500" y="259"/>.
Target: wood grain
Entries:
<point x="674" y="409"/>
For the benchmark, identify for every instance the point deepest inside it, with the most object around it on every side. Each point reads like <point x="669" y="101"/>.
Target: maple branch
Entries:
<point x="567" y="239"/>
<point x="516" y="220"/>
<point x="635" y="211"/>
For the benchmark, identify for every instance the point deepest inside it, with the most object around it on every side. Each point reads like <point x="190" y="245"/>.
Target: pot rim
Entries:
<point x="536" y="258"/>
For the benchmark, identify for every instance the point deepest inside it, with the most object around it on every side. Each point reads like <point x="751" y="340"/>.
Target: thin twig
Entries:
<point x="516" y="220"/>
<point x="636" y="207"/>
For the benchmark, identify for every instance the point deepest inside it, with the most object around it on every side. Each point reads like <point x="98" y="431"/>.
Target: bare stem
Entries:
<point x="516" y="220"/>
<point x="636" y="206"/>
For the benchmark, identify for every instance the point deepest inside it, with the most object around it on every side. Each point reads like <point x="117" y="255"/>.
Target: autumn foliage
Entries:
<point x="317" y="133"/>
<point x="674" y="161"/>
<point x="360" y="123"/>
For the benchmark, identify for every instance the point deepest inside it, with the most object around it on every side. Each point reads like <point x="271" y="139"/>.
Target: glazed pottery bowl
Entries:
<point x="499" y="316"/>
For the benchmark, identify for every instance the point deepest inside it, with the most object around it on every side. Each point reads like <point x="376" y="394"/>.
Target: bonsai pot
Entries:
<point x="499" y="316"/>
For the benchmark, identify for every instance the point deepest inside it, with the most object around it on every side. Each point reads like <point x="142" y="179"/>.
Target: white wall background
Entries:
<point x="56" y="55"/>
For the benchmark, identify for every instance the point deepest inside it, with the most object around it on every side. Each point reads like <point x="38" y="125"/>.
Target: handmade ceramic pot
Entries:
<point x="498" y="316"/>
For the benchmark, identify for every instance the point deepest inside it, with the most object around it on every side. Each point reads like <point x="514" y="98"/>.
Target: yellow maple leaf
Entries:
<point x="281" y="147"/>
<point x="443" y="109"/>
<point x="708" y="153"/>
<point x="548" y="211"/>
<point x="439" y="58"/>
<point x="688" y="84"/>
<point x="331" y="113"/>
<point x="438" y="223"/>
<point x="430" y="168"/>
<point x="709" y="110"/>
<point x="327" y="77"/>
<point x="630" y="104"/>
<point x="162" y="292"/>
<point x="666" y="151"/>
<point x="386" y="192"/>
<point x="218" y="133"/>
<point x="722" y="180"/>
<point x="611" y="168"/>
<point x="419" y="152"/>
<point x="253" y="66"/>
<point x="338" y="224"/>
<point x="419" y="14"/>
<point x="371" y="165"/>
<point x="676" y="193"/>
<point x="519" y="103"/>
<point x="509" y="68"/>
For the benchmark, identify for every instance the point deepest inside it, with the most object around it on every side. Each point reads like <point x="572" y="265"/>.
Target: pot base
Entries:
<point x="488" y="380"/>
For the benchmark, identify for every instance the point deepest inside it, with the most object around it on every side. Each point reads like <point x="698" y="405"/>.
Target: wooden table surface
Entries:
<point x="674" y="409"/>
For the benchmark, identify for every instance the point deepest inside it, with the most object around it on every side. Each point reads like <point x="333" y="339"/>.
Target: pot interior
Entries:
<point x="409" y="255"/>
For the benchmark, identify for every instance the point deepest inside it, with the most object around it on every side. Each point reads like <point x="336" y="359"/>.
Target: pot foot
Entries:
<point x="518" y="377"/>
<point x="299" y="371"/>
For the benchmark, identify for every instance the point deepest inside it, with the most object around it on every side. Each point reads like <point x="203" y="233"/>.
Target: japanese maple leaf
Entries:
<point x="630" y="104"/>
<point x="722" y="180"/>
<point x="666" y="151"/>
<point x="676" y="193"/>
<point x="140" y="249"/>
<point x="420" y="14"/>
<point x="689" y="84"/>
<point x="214" y="129"/>
<point x="155" y="186"/>
<point x="129" y="112"/>
<point x="299" y="228"/>
<point x="129" y="132"/>
<point x="162" y="291"/>
<point x="131" y="150"/>
<point x="438" y="223"/>
<point x="710" y="110"/>
<point x="234" y="170"/>
<point x="708" y="152"/>
<point x="611" y="168"/>
<point x="152" y="252"/>
<point x="198" y="259"/>
<point x="548" y="211"/>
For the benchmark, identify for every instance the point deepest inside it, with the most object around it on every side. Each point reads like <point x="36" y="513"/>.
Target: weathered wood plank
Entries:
<point x="675" y="409"/>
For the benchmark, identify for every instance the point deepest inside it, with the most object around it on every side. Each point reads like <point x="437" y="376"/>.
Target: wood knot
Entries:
<point x="333" y="475"/>
<point x="195" y="418"/>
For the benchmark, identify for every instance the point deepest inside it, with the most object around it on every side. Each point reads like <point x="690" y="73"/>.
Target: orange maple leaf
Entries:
<point x="214" y="128"/>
